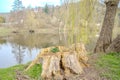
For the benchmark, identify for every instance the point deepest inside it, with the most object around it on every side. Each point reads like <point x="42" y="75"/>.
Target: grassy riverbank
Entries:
<point x="10" y="73"/>
<point x="108" y="66"/>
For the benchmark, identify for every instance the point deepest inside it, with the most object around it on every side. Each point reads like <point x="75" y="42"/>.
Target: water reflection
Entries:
<point x="22" y="48"/>
<point x="13" y="54"/>
<point x="18" y="51"/>
<point x="35" y="40"/>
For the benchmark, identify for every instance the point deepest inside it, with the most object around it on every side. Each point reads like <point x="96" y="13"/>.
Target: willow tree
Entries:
<point x="79" y="14"/>
<point x="105" y="37"/>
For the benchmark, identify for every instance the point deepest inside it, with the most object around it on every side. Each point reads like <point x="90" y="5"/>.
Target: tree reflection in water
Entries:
<point x="18" y="51"/>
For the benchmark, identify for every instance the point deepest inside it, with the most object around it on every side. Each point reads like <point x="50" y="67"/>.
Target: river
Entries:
<point x="23" y="48"/>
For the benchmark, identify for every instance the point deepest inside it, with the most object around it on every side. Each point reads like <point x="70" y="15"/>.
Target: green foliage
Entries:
<point x="2" y="19"/>
<point x="17" y="13"/>
<point x="54" y="50"/>
<point x="78" y="19"/>
<point x="46" y="9"/>
<point x="17" y="5"/>
<point x="110" y="66"/>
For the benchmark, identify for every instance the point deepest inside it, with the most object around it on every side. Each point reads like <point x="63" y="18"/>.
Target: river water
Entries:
<point x="23" y="48"/>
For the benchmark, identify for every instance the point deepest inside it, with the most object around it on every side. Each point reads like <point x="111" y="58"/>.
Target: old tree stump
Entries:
<point x="114" y="46"/>
<point x="62" y="64"/>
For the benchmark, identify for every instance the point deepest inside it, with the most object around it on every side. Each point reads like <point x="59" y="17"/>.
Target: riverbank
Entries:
<point x="104" y="66"/>
<point x="7" y="31"/>
<point x="11" y="72"/>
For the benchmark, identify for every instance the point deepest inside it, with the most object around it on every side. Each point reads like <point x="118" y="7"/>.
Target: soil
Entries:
<point x="21" y="76"/>
<point x="91" y="73"/>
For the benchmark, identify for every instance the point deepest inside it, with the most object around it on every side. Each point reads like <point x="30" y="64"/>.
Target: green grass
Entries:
<point x="109" y="64"/>
<point x="35" y="71"/>
<point x="9" y="73"/>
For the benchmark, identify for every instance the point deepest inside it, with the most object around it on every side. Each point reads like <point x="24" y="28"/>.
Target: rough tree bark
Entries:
<point x="105" y="38"/>
<point x="114" y="46"/>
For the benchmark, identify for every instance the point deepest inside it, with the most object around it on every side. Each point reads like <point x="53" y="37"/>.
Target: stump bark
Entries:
<point x="61" y="65"/>
<point x="65" y="64"/>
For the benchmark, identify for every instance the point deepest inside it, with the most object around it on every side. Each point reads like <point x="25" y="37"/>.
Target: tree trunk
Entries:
<point x="105" y="38"/>
<point x="114" y="46"/>
<point x="58" y="66"/>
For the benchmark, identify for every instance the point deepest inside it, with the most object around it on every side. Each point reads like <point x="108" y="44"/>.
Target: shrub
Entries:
<point x="54" y="50"/>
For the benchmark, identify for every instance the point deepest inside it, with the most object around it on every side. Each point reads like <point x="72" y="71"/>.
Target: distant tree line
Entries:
<point x="28" y="16"/>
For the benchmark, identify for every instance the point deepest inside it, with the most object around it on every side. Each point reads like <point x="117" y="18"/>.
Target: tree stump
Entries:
<point x="51" y="67"/>
<point x="59" y="65"/>
<point x="114" y="46"/>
